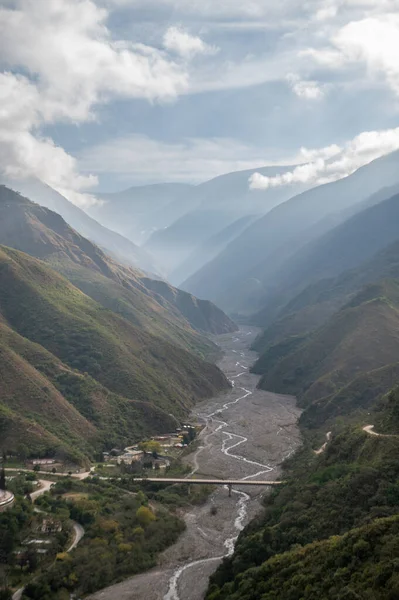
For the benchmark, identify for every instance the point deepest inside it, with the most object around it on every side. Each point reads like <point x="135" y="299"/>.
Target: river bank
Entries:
<point x="248" y="433"/>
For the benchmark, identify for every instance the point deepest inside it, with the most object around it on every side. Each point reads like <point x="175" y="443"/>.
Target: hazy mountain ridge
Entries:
<point x="342" y="248"/>
<point x="138" y="211"/>
<point x="351" y="243"/>
<point x="250" y="262"/>
<point x="113" y="243"/>
<point x="214" y="205"/>
<point x="210" y="248"/>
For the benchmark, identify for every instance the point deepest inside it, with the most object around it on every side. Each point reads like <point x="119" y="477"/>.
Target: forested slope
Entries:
<point x="120" y="378"/>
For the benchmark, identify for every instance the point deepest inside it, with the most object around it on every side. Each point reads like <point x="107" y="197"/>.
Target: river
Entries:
<point x="248" y="433"/>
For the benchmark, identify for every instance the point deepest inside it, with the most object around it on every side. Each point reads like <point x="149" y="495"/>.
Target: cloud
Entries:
<point x="307" y="89"/>
<point x="70" y="65"/>
<point x="180" y="41"/>
<point x="375" y="42"/>
<point x="333" y="162"/>
<point x="372" y="42"/>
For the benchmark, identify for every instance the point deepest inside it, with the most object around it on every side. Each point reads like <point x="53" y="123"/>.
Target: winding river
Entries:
<point x="247" y="434"/>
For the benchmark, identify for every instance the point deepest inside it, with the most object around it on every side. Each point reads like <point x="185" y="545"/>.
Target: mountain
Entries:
<point x="353" y="400"/>
<point x="201" y="314"/>
<point x="65" y="353"/>
<point x="300" y="305"/>
<point x="209" y="249"/>
<point x="44" y="234"/>
<point x="216" y="205"/>
<point x="138" y="211"/>
<point x="48" y="408"/>
<point x="359" y="338"/>
<point x="344" y="247"/>
<point x="111" y="242"/>
<point x="331" y="530"/>
<point x="249" y="264"/>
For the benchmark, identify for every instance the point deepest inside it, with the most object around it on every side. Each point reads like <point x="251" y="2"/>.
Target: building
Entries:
<point x="50" y="526"/>
<point x="6" y="500"/>
<point x="160" y="463"/>
<point x="130" y="457"/>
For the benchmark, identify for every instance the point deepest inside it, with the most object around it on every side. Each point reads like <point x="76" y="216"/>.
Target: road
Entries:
<point x="370" y="430"/>
<point x="44" y="487"/>
<point x="77" y="528"/>
<point x="78" y="535"/>
<point x="324" y="446"/>
<point x="247" y="433"/>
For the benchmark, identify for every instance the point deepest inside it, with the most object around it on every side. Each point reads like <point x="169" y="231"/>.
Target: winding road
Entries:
<point x="77" y="528"/>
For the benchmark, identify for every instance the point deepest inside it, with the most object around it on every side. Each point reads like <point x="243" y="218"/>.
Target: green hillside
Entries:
<point x="350" y="567"/>
<point x="319" y="301"/>
<point x="119" y="377"/>
<point x="354" y="400"/>
<point x="160" y="310"/>
<point x="331" y="531"/>
<point x="361" y="337"/>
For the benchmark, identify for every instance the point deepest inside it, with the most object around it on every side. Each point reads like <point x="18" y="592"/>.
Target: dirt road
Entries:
<point x="247" y="435"/>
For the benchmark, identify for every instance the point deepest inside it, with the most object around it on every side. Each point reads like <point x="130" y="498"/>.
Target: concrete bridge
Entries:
<point x="227" y="482"/>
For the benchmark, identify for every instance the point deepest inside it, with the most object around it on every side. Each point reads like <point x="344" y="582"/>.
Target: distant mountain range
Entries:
<point x="139" y="211"/>
<point x="244" y="272"/>
<point x="344" y="247"/>
<point x="172" y="220"/>
<point x="331" y="338"/>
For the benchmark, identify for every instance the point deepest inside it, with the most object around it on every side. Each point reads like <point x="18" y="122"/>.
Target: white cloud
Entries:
<point x="180" y="41"/>
<point x="333" y="162"/>
<point x="375" y="42"/>
<point x="307" y="89"/>
<point x="70" y="65"/>
<point x="372" y="42"/>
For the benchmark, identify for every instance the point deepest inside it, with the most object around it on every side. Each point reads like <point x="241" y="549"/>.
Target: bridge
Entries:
<point x="227" y="482"/>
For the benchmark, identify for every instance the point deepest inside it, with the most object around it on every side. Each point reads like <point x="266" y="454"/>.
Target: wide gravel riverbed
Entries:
<point x="248" y="433"/>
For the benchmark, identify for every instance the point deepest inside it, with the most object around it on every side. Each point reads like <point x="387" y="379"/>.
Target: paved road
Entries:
<point x="44" y="487"/>
<point x="79" y="533"/>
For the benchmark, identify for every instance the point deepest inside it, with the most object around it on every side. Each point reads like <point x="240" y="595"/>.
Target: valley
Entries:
<point x="248" y="433"/>
<point x="199" y="300"/>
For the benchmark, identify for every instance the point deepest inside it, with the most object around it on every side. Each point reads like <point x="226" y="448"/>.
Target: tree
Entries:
<point x="3" y="479"/>
<point x="145" y="516"/>
<point x="151" y="447"/>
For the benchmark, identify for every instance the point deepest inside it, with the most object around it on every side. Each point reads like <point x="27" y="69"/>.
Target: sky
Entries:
<point x="99" y="95"/>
